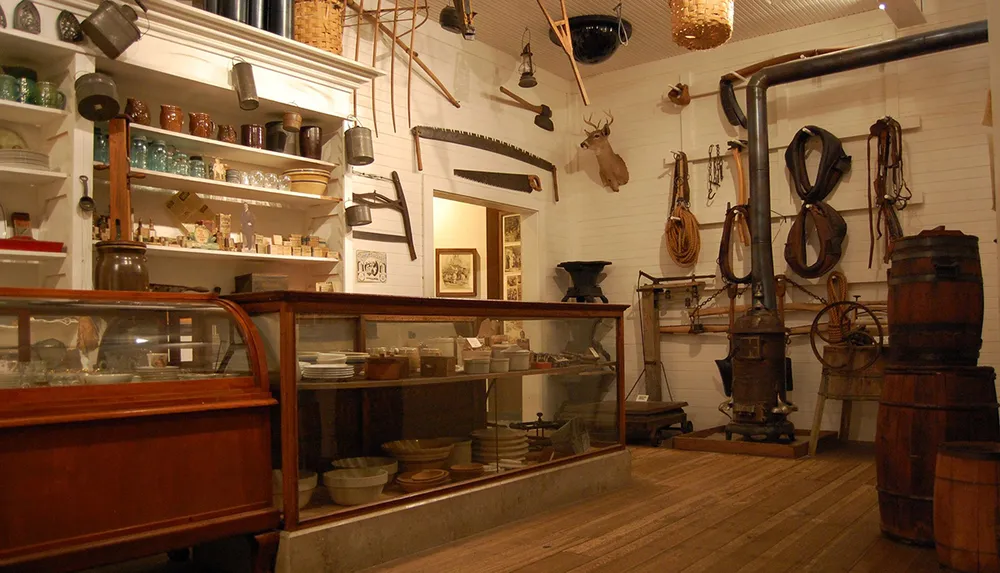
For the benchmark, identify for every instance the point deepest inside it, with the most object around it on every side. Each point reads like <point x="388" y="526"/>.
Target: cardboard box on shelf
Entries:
<point x="189" y="208"/>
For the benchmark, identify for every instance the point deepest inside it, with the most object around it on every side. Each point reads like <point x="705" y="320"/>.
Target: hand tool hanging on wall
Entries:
<point x="830" y="225"/>
<point x="727" y="91"/>
<point x="715" y="175"/>
<point x="683" y="237"/>
<point x="409" y="67"/>
<point x="376" y="28"/>
<point x="392" y="66"/>
<point x="887" y="188"/>
<point x="737" y="146"/>
<point x="481" y="142"/>
<point x="513" y="181"/>
<point x="562" y="31"/>
<point x="544" y="117"/>
<point x="376" y="200"/>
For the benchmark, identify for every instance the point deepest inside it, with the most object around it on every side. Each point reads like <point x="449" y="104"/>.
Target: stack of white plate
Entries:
<point x="327" y="371"/>
<point x="491" y="445"/>
<point x="24" y="158"/>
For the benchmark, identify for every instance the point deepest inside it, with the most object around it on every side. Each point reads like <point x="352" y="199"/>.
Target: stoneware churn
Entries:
<point x="112" y="27"/>
<point x="121" y="265"/>
<point x="358" y="215"/>
<point x="97" y="96"/>
<point x="358" y="145"/>
<point x="244" y="84"/>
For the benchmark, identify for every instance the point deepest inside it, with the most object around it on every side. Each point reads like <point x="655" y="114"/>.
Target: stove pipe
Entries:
<point x="760" y="176"/>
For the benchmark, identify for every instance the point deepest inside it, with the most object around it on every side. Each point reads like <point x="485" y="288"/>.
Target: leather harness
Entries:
<point x="725" y="247"/>
<point x="830" y="225"/>
<point x="888" y="191"/>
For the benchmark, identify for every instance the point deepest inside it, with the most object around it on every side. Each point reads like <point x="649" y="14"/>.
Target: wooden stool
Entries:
<point x="846" y="384"/>
<point x="966" y="484"/>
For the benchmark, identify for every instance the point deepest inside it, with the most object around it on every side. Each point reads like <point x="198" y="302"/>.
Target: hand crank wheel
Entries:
<point x="849" y="313"/>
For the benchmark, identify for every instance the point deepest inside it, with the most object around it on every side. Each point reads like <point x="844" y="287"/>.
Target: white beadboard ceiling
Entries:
<point x="500" y="24"/>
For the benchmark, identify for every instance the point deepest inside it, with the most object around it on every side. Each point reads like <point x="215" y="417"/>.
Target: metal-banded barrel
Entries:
<point x="936" y="300"/>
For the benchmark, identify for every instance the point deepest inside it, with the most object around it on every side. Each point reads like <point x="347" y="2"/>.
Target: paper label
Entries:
<point x="474" y="343"/>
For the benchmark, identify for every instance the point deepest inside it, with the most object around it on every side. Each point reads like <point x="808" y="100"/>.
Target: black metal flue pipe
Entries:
<point x="760" y="175"/>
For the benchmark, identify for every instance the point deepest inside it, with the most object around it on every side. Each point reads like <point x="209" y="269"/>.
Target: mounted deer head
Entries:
<point x="614" y="172"/>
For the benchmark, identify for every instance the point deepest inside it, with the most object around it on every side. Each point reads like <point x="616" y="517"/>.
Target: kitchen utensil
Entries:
<point x="358" y="145"/>
<point x="275" y="137"/>
<point x="310" y="181"/>
<point x="137" y="111"/>
<point x="69" y="27"/>
<point x="245" y="86"/>
<point x="86" y="203"/>
<point x="26" y="17"/>
<point x="252" y="135"/>
<point x="358" y="215"/>
<point x="201" y="124"/>
<point x="355" y="486"/>
<point x="171" y="117"/>
<point x="50" y="96"/>
<point x="111" y="27"/>
<point x="311" y="141"/>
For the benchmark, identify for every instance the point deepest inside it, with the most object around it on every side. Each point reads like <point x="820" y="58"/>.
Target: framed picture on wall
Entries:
<point x="512" y="229"/>
<point x="512" y="259"/>
<point x="457" y="272"/>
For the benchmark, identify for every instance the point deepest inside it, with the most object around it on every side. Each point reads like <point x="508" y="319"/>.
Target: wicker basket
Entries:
<point x="701" y="24"/>
<point x="320" y="23"/>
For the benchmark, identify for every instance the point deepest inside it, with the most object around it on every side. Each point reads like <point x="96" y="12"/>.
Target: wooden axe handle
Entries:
<point x="524" y="103"/>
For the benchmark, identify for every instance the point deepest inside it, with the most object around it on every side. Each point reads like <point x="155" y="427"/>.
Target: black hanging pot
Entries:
<point x="97" y="97"/>
<point x="358" y="215"/>
<point x="595" y="37"/>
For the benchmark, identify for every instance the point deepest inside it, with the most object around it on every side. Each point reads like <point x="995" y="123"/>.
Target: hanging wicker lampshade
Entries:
<point x="701" y="24"/>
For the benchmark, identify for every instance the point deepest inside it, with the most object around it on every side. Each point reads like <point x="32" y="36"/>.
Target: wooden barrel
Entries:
<point x="935" y="301"/>
<point x="846" y="378"/>
<point x="919" y="410"/>
<point x="966" y="505"/>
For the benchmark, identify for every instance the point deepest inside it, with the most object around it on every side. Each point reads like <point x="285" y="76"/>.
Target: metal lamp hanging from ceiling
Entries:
<point x="701" y="24"/>
<point x="527" y="67"/>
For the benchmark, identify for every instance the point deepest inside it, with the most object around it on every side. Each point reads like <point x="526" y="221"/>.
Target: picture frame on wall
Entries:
<point x="456" y="273"/>
<point x="512" y="259"/>
<point x="511" y="229"/>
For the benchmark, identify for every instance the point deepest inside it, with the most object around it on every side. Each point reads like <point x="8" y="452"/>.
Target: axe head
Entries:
<point x="545" y="122"/>
<point x="740" y="144"/>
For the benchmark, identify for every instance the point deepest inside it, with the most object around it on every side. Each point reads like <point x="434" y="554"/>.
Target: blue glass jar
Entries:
<point x="158" y="156"/>
<point x="139" y="156"/>
<point x="181" y="165"/>
<point x="197" y="167"/>
<point x="100" y="146"/>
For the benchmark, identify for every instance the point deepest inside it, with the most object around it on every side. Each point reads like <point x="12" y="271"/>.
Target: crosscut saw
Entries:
<point x="514" y="181"/>
<point x="481" y="142"/>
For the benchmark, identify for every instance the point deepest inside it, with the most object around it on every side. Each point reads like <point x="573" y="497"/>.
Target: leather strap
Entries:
<point x="726" y="246"/>
<point x="831" y="229"/>
<point x="682" y="234"/>
<point x="887" y="188"/>
<point x="731" y="105"/>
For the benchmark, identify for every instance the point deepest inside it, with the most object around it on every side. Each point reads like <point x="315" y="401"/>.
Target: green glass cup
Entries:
<point x="50" y="96"/>
<point x="8" y="88"/>
<point x="27" y="91"/>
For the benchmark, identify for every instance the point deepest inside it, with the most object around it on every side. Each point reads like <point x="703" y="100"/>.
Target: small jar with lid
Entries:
<point x="180" y="165"/>
<point x="158" y="156"/>
<point x="139" y="153"/>
<point x="101" y="150"/>
<point x="196" y="167"/>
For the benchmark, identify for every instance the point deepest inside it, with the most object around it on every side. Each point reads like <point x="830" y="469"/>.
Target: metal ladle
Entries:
<point x="86" y="203"/>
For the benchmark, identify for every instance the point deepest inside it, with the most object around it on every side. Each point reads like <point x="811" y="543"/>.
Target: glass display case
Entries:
<point x="130" y="423"/>
<point x="384" y="400"/>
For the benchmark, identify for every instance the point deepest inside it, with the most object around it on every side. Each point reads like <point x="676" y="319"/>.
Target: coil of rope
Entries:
<point x="836" y="291"/>
<point x="683" y="237"/>
<point x="887" y="188"/>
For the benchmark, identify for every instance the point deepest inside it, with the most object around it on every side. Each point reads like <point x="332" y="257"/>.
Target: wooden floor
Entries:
<point x="696" y="512"/>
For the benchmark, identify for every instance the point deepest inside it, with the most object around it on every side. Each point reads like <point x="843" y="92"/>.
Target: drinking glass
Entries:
<point x="8" y="88"/>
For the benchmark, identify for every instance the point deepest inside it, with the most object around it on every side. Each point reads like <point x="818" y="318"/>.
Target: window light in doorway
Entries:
<point x="701" y="24"/>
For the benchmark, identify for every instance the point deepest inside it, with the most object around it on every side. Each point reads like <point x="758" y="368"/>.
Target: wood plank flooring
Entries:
<point x="694" y="512"/>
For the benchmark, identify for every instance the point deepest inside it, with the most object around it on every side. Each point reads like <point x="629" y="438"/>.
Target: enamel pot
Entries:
<point x="97" y="97"/>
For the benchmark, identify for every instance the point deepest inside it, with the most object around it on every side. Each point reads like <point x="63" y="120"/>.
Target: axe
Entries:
<point x="544" y="117"/>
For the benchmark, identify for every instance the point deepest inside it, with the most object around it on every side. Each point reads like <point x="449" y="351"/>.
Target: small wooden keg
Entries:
<point x="966" y="506"/>
<point x="921" y="409"/>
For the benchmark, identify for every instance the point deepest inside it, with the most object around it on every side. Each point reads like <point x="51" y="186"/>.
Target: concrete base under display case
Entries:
<point x="361" y="542"/>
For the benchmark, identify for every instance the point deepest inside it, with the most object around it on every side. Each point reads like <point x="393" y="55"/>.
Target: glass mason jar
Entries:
<point x="158" y="156"/>
<point x="181" y="164"/>
<point x="196" y="167"/>
<point x="139" y="156"/>
<point x="100" y="146"/>
<point x="9" y="88"/>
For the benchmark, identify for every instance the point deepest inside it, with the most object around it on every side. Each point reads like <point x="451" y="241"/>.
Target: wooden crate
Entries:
<point x="714" y="440"/>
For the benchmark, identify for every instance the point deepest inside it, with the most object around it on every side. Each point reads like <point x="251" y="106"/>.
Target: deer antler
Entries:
<point x="610" y="120"/>
<point x="590" y="122"/>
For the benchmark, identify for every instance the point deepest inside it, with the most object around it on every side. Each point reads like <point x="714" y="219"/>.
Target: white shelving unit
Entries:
<point x="182" y="253"/>
<point x="28" y="114"/>
<point x="35" y="257"/>
<point x="29" y="176"/>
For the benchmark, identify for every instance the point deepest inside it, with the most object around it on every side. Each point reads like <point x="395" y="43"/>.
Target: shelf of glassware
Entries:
<point x="28" y="114"/>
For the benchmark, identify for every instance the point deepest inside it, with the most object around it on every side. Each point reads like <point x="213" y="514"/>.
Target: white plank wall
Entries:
<point x="940" y="100"/>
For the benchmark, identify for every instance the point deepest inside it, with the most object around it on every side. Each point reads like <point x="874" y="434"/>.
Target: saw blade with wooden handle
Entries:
<point x="514" y="181"/>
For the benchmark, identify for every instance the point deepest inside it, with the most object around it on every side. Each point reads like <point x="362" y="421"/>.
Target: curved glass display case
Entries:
<point x="130" y="424"/>
<point x="386" y="400"/>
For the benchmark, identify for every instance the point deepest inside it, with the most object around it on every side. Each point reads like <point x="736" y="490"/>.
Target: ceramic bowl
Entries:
<point x="497" y="433"/>
<point x="477" y="366"/>
<point x="331" y="358"/>
<point x="308" y="181"/>
<point x="461" y="472"/>
<point x="417" y="449"/>
<point x="416" y="481"/>
<point x="390" y="465"/>
<point x="307" y="486"/>
<point x="355" y="486"/>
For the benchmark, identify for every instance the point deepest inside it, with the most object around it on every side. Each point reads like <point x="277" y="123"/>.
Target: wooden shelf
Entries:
<point x="355" y="384"/>
<point x="202" y="186"/>
<point x="27" y="114"/>
<point x="32" y="49"/>
<point x="182" y="253"/>
<point x="193" y="145"/>
<point x="18" y="256"/>
<point x="29" y="176"/>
